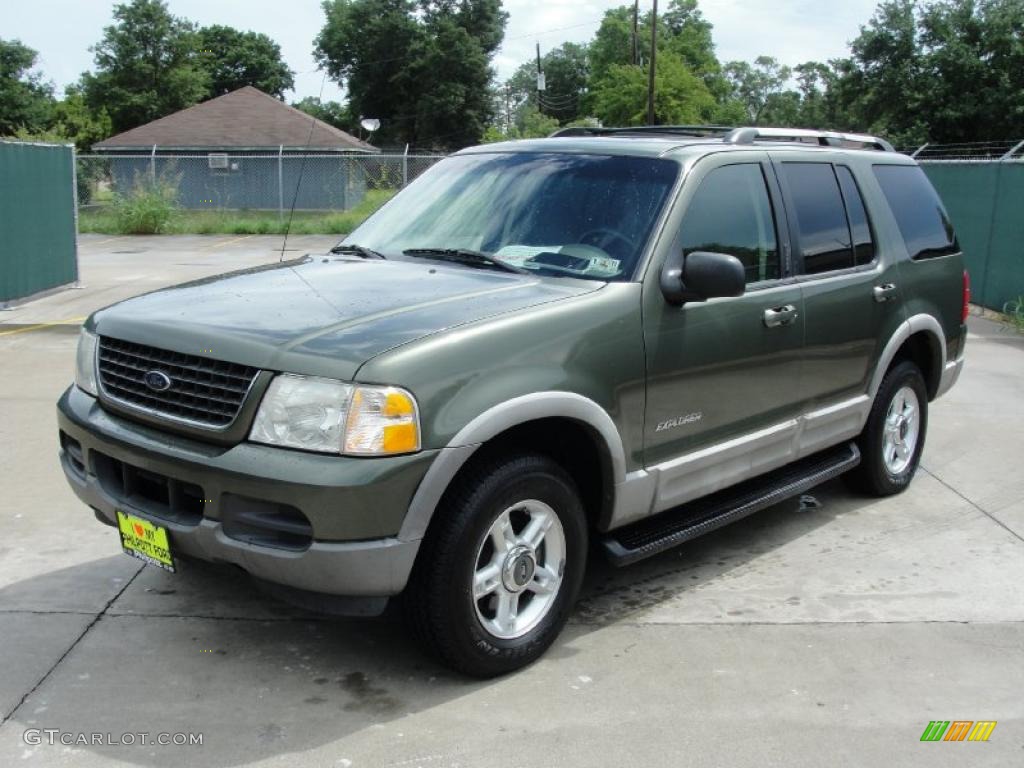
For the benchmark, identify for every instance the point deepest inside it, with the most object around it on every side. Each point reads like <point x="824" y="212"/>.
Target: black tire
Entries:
<point x="438" y="601"/>
<point x="874" y="476"/>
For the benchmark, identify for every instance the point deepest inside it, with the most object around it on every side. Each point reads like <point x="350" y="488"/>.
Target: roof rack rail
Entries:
<point x="823" y="138"/>
<point x="694" y="131"/>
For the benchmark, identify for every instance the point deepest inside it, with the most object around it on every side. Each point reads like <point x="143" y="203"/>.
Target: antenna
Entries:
<point x="302" y="170"/>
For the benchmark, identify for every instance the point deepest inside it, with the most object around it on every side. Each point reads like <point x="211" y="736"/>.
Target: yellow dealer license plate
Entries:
<point x="146" y="541"/>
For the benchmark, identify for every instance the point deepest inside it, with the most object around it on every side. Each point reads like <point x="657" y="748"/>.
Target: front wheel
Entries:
<point x="501" y="566"/>
<point x="893" y="437"/>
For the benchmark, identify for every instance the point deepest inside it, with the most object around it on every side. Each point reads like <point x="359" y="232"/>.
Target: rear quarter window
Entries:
<point x="920" y="215"/>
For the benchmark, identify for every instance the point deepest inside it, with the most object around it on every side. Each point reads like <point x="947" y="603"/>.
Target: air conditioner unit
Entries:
<point x="217" y="160"/>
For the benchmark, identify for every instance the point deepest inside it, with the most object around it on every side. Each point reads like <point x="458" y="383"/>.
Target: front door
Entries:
<point x="723" y="387"/>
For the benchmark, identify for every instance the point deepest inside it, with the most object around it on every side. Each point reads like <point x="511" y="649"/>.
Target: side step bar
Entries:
<point x="673" y="527"/>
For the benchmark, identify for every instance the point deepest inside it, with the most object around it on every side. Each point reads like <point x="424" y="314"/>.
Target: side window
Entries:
<point x="860" y="229"/>
<point x="821" y="217"/>
<point x="919" y="212"/>
<point x="732" y="213"/>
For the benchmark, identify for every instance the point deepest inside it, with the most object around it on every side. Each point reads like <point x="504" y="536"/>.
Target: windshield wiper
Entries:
<point x="465" y="256"/>
<point x="358" y="250"/>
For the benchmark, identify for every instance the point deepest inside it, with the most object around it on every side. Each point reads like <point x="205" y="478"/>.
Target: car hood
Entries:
<point x="323" y="315"/>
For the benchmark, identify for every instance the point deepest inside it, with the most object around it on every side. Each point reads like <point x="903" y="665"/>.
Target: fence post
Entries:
<point x="152" y="165"/>
<point x="405" y="166"/>
<point x="280" y="182"/>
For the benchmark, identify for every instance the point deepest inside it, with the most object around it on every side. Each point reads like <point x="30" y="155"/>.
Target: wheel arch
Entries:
<point x="571" y="428"/>
<point x="919" y="339"/>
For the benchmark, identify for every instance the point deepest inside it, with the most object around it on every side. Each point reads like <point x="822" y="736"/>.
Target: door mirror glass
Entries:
<point x="702" y="275"/>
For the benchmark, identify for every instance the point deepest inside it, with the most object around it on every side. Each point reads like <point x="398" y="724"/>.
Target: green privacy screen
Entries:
<point x="37" y="218"/>
<point x="986" y="203"/>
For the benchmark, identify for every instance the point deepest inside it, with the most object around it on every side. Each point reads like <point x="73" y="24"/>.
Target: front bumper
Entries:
<point x="320" y="523"/>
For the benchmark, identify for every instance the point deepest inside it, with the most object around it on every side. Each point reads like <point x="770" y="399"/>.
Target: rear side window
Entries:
<point x="860" y="229"/>
<point x="732" y="213"/>
<point x="919" y="212"/>
<point x="825" y="243"/>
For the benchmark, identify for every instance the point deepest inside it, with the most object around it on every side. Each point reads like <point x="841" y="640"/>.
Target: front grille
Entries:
<point x="159" y="495"/>
<point x="205" y="392"/>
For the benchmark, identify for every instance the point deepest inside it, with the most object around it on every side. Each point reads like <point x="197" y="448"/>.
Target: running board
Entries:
<point x="673" y="527"/>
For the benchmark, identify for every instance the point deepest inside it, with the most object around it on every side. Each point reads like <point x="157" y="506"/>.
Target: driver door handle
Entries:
<point x="779" y="316"/>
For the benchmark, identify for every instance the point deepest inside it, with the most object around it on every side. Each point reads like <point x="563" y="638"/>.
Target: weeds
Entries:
<point x="1013" y="311"/>
<point x="114" y="220"/>
<point x="147" y="209"/>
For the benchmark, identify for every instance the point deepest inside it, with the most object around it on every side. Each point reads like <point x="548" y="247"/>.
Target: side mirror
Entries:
<point x="700" y="276"/>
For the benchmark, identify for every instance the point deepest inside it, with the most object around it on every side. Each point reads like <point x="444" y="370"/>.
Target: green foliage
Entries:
<point x="147" y="66"/>
<point x="105" y="220"/>
<point x="1014" y="313"/>
<point x="233" y="59"/>
<point x="148" y="208"/>
<point x="26" y="101"/>
<point x="758" y="86"/>
<point x="331" y="112"/>
<point x="422" y="68"/>
<point x="680" y="97"/>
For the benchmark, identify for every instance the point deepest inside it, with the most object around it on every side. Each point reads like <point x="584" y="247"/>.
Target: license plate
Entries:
<point x="146" y="541"/>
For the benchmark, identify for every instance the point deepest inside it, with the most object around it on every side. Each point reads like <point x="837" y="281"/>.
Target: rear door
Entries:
<point x="851" y="294"/>
<point x="721" y="371"/>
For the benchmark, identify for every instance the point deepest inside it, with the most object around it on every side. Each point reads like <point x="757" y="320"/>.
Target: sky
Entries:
<point x="791" y="30"/>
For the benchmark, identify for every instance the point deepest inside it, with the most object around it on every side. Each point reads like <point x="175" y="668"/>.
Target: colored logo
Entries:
<point x="958" y="730"/>
<point x="158" y="381"/>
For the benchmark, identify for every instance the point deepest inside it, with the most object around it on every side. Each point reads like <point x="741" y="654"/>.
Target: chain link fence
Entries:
<point x="968" y="152"/>
<point x="242" y="181"/>
<point x="982" y="185"/>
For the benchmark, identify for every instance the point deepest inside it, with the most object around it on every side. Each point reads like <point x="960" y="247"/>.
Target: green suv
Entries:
<point x="613" y="337"/>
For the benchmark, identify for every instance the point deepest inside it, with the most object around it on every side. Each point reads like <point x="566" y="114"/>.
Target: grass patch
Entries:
<point x="106" y="220"/>
<point x="1013" y="311"/>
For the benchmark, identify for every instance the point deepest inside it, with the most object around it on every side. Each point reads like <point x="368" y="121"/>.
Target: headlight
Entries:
<point x="328" y="416"/>
<point x="85" y="362"/>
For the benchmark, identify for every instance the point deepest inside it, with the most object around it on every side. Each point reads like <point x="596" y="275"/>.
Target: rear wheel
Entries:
<point x="893" y="437"/>
<point x="501" y="566"/>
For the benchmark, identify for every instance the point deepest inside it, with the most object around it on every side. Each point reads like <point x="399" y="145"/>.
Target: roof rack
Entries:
<point x="822" y="138"/>
<point x="732" y="135"/>
<point x="693" y="131"/>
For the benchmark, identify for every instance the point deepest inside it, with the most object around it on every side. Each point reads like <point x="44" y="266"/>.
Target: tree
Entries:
<point x="680" y="97"/>
<point x="758" y="86"/>
<point x="73" y="118"/>
<point x="233" y="59"/>
<point x="147" y="66"/>
<point x="331" y="112"/>
<point x="422" y="68"/>
<point x="26" y="102"/>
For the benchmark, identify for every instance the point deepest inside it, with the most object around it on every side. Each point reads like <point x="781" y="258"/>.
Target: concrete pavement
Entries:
<point x="827" y="632"/>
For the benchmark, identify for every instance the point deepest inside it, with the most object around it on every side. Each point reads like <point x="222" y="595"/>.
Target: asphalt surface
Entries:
<point x="827" y="632"/>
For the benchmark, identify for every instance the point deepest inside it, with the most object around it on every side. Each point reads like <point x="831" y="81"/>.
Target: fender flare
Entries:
<point x="912" y="325"/>
<point x="494" y="421"/>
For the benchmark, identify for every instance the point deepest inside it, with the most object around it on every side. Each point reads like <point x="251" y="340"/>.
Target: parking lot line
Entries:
<point x="215" y="246"/>
<point x="39" y="326"/>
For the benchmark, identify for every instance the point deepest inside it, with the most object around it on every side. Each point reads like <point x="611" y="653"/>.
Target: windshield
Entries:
<point x="561" y="214"/>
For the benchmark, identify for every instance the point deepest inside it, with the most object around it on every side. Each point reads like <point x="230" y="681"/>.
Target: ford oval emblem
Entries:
<point x="158" y="381"/>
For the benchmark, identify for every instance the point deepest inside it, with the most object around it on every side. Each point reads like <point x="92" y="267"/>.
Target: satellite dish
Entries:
<point x="370" y="124"/>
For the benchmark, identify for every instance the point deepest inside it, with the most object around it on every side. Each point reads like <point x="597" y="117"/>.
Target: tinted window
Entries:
<point x="919" y="212"/>
<point x="821" y="216"/>
<point x="731" y="213"/>
<point x="863" y="245"/>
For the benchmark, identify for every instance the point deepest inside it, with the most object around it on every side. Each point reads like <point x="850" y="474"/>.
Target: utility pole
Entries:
<point x="541" y="86"/>
<point x="636" y="45"/>
<point x="508" y="110"/>
<point x="650" y="74"/>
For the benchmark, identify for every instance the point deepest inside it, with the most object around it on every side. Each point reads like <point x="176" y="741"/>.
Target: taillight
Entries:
<point x="967" y="298"/>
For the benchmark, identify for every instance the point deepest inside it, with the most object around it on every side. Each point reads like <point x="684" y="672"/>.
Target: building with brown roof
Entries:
<point x="242" y="150"/>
